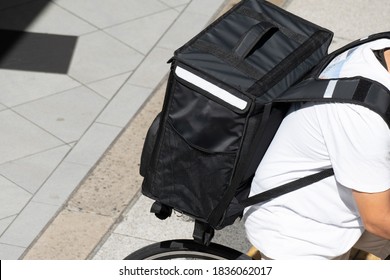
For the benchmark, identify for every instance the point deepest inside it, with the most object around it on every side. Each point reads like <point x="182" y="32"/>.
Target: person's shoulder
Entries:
<point x="351" y="110"/>
<point x="352" y="119"/>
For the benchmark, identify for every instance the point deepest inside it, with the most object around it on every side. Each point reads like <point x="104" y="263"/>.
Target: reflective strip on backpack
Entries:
<point x="330" y="89"/>
<point x="211" y="88"/>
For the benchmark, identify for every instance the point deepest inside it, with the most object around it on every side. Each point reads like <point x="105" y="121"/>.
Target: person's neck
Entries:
<point x="387" y="58"/>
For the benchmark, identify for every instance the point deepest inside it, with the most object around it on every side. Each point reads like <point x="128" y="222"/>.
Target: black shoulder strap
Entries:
<point x="286" y="188"/>
<point x="356" y="90"/>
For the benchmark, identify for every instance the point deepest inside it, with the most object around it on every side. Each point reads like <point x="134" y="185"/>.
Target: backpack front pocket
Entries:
<point x="202" y="134"/>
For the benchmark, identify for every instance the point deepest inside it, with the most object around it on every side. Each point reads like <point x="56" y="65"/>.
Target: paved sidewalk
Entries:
<point x="72" y="135"/>
<point x="71" y="81"/>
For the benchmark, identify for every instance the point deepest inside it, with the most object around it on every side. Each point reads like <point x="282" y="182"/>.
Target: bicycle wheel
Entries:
<point x="186" y="249"/>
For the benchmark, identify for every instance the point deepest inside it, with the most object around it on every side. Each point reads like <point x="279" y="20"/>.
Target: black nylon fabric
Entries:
<point x="226" y="33"/>
<point x="204" y="156"/>
<point x="182" y="167"/>
<point x="204" y="123"/>
<point x="357" y="90"/>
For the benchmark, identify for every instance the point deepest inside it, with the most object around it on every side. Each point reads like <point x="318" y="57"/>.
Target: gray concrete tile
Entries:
<point x="153" y="69"/>
<point x="61" y="184"/>
<point x="110" y="86"/>
<point x="111" y="12"/>
<point x="179" y="33"/>
<point x="21" y="138"/>
<point x="205" y="7"/>
<point x="338" y="43"/>
<point x="28" y="224"/>
<point x="12" y="198"/>
<point x="130" y="234"/>
<point x="175" y="3"/>
<point x="66" y="115"/>
<point x="349" y="19"/>
<point x="56" y="105"/>
<point x="233" y="236"/>
<point x="142" y="34"/>
<point x="30" y="172"/>
<point x="5" y="222"/>
<point x="139" y="218"/>
<point x="10" y="252"/>
<point x="98" y="56"/>
<point x="180" y="8"/>
<point x="19" y="87"/>
<point x="52" y="19"/>
<point x="93" y="144"/>
<point x="125" y="105"/>
<point x="118" y="246"/>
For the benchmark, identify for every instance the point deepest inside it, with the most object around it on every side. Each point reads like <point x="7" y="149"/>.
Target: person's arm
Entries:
<point x="387" y="58"/>
<point x="374" y="209"/>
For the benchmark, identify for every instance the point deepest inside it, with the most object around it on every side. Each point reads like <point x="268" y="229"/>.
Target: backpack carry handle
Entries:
<point x="253" y="37"/>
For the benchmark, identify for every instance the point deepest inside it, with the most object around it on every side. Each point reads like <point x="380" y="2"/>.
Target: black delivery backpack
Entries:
<point x="202" y="150"/>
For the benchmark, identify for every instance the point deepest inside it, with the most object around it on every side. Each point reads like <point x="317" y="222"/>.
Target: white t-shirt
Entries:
<point x="321" y="221"/>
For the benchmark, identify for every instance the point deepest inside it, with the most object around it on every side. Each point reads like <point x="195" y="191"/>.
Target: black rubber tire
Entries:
<point x="186" y="249"/>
